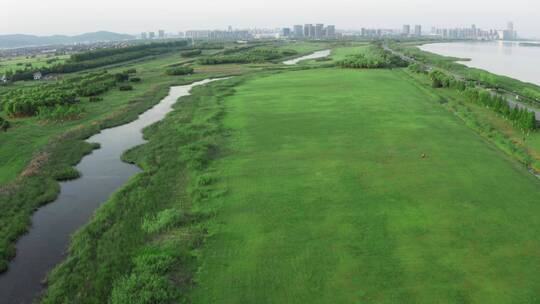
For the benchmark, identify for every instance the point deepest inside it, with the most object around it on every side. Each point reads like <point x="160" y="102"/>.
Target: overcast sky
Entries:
<point x="44" y="17"/>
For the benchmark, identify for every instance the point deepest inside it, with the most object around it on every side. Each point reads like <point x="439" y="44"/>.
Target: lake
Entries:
<point x="499" y="57"/>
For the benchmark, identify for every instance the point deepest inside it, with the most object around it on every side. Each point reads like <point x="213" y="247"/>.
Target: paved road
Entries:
<point x="510" y="96"/>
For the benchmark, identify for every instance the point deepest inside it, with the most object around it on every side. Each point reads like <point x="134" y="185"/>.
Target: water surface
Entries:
<point x="315" y="55"/>
<point x="102" y="173"/>
<point x="499" y="57"/>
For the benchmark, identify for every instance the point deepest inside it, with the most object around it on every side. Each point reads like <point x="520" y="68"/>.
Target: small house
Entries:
<point x="37" y="75"/>
<point x="3" y="79"/>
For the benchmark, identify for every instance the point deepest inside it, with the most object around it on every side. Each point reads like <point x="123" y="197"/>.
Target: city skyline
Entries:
<point x="43" y="17"/>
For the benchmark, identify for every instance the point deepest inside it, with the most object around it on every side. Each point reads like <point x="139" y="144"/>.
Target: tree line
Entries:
<point x="520" y="117"/>
<point x="99" y="58"/>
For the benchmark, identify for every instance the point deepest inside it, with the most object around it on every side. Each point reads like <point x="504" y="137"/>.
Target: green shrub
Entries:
<point x="162" y="221"/>
<point x="95" y="99"/>
<point x="135" y="79"/>
<point x="125" y="87"/>
<point x="4" y="124"/>
<point x="248" y="55"/>
<point x="177" y="71"/>
<point x="375" y="57"/>
<point x="144" y="288"/>
<point x="190" y="53"/>
<point x="27" y="101"/>
<point x="60" y="112"/>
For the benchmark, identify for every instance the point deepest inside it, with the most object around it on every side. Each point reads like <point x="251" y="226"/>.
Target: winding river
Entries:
<point x="52" y="225"/>
<point x="315" y="55"/>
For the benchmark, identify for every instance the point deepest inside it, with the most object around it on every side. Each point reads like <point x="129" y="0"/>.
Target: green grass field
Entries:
<point x="35" y="62"/>
<point x="323" y="185"/>
<point x="355" y="186"/>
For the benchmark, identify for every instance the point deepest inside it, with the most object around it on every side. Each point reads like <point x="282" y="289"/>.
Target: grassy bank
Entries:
<point x="34" y="155"/>
<point x="358" y="187"/>
<point x="138" y="247"/>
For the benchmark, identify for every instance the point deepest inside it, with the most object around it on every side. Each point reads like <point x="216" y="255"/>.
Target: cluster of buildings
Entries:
<point x="474" y="33"/>
<point x="152" y="35"/>
<point x="229" y="34"/>
<point x="416" y="31"/>
<point x="310" y="31"/>
<point x="320" y="31"/>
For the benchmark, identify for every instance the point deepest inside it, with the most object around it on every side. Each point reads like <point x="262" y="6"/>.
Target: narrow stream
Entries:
<point x="102" y="173"/>
<point x="315" y="55"/>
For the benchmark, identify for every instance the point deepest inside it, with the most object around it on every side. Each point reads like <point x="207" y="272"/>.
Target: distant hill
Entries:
<point x="19" y="40"/>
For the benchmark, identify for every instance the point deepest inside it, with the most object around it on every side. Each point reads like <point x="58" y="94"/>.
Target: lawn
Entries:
<point x="355" y="186"/>
<point x="341" y="53"/>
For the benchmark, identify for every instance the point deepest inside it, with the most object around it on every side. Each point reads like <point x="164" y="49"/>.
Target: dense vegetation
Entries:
<point x="29" y="101"/>
<point x="177" y="71"/>
<point x="99" y="58"/>
<point x="485" y="78"/>
<point x="521" y="117"/>
<point x="251" y="55"/>
<point x="373" y="57"/>
<point x="191" y="53"/>
<point x="4" y="124"/>
<point x="153" y="261"/>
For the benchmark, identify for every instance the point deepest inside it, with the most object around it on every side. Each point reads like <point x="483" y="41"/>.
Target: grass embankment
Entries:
<point x="351" y="186"/>
<point x="138" y="247"/>
<point x="34" y="154"/>
<point x="499" y="130"/>
<point x="530" y="93"/>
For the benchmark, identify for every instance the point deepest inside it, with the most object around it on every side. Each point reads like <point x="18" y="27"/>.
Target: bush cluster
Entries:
<point x="27" y="101"/>
<point x="191" y="53"/>
<point x="251" y="55"/>
<point x="375" y="57"/>
<point x="4" y="124"/>
<point x="125" y="87"/>
<point x="177" y="71"/>
<point x="60" y="112"/>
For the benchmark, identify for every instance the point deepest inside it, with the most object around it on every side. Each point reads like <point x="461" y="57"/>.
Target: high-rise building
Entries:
<point x="319" y="30"/>
<point x="144" y="35"/>
<point x="418" y="30"/>
<point x="311" y="31"/>
<point x="331" y="31"/>
<point x="406" y="30"/>
<point x="161" y="34"/>
<point x="286" y="32"/>
<point x="151" y="35"/>
<point x="511" y="33"/>
<point x="298" y="31"/>
<point x="307" y="30"/>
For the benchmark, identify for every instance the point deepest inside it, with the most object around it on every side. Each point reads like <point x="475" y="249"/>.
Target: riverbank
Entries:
<point x="505" y="58"/>
<point x="158" y="214"/>
<point x="103" y="173"/>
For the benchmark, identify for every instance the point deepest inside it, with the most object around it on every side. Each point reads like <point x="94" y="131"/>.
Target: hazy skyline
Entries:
<point x="46" y="17"/>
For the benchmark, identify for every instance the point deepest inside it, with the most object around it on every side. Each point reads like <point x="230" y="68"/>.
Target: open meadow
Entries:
<point x="340" y="180"/>
<point x="356" y="186"/>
